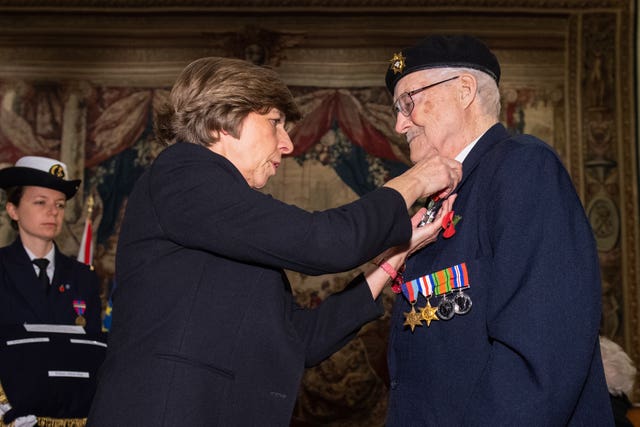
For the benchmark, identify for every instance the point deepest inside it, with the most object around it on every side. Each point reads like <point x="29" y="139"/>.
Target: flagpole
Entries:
<point x="90" y="202"/>
<point x="85" y="253"/>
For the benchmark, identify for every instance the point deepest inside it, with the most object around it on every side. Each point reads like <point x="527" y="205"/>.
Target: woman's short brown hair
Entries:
<point x="14" y="196"/>
<point x="215" y="94"/>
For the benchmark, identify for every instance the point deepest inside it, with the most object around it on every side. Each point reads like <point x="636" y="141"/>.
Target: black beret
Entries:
<point x="440" y="51"/>
<point x="40" y="172"/>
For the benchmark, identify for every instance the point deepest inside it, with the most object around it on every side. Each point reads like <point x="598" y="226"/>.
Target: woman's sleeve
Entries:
<point x="330" y="326"/>
<point x="206" y="206"/>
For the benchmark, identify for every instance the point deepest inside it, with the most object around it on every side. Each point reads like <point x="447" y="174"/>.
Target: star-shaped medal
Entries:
<point x="412" y="319"/>
<point x="397" y="63"/>
<point x="428" y="313"/>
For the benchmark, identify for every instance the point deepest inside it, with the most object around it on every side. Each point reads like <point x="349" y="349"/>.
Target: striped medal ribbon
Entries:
<point x="449" y="283"/>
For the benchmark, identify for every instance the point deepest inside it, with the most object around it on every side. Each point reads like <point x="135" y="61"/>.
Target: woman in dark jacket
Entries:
<point x="205" y="328"/>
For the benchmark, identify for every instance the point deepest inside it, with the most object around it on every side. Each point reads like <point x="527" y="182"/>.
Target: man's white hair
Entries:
<point x="488" y="95"/>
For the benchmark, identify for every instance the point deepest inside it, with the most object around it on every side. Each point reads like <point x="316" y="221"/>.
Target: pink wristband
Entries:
<point x="388" y="269"/>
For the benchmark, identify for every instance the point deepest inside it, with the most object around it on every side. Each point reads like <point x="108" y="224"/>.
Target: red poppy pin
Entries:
<point x="449" y="222"/>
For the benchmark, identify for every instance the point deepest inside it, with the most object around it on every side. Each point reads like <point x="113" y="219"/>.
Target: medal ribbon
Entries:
<point x="79" y="306"/>
<point x="441" y="282"/>
<point x="410" y="291"/>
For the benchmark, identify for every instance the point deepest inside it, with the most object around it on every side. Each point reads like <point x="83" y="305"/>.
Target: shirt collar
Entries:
<point x="466" y="150"/>
<point x="50" y="255"/>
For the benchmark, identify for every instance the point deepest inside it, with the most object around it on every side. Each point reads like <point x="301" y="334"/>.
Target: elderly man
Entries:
<point x="498" y="323"/>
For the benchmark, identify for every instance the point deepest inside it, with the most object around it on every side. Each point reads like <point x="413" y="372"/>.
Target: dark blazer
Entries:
<point x="527" y="354"/>
<point x="205" y="329"/>
<point x="22" y="299"/>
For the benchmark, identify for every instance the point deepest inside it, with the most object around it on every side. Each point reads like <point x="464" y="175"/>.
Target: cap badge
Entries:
<point x="57" y="170"/>
<point x="397" y="63"/>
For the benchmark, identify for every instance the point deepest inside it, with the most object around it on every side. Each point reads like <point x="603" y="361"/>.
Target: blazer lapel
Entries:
<point x="24" y="280"/>
<point x="486" y="143"/>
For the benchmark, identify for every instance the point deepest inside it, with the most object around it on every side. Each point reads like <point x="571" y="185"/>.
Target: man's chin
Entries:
<point x="422" y="151"/>
<point x="416" y="156"/>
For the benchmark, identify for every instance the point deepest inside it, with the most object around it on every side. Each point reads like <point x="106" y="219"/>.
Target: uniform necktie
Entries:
<point x="42" y="275"/>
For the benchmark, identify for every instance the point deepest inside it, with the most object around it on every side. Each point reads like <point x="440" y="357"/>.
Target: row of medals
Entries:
<point x="459" y="303"/>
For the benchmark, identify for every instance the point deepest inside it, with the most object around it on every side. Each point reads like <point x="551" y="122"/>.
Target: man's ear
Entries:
<point x="468" y="89"/>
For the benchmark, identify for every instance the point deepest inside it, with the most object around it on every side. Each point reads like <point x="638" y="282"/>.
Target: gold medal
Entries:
<point x="428" y="313"/>
<point x="412" y="319"/>
<point x="81" y="321"/>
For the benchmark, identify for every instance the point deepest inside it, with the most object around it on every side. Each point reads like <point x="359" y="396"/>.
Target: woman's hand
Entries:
<point x="432" y="176"/>
<point x="424" y="235"/>
<point x="395" y="257"/>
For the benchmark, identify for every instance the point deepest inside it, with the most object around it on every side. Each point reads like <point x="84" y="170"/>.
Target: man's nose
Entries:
<point x="403" y="123"/>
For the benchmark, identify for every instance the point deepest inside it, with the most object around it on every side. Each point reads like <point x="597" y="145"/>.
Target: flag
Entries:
<point x="85" y="253"/>
<point x="106" y="320"/>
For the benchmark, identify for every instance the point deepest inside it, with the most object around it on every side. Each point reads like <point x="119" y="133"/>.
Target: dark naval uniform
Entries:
<point x="23" y="300"/>
<point x="46" y="375"/>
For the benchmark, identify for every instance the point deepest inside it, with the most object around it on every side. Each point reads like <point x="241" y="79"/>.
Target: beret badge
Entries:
<point x="397" y="63"/>
<point x="57" y="170"/>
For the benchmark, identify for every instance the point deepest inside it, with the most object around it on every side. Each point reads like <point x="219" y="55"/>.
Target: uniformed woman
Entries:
<point x="38" y="283"/>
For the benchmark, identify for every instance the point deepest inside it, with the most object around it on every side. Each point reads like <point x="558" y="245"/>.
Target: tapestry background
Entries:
<point x="79" y="80"/>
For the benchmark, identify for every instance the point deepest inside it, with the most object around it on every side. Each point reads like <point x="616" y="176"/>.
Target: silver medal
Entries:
<point x="446" y="309"/>
<point x="461" y="303"/>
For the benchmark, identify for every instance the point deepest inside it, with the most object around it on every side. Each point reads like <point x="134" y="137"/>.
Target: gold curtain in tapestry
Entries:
<point x="31" y="119"/>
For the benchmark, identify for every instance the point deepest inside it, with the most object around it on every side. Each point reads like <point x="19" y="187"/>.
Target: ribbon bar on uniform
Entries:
<point x="442" y="282"/>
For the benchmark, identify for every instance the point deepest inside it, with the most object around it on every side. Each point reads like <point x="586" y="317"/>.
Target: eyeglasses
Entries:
<point x="404" y="104"/>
